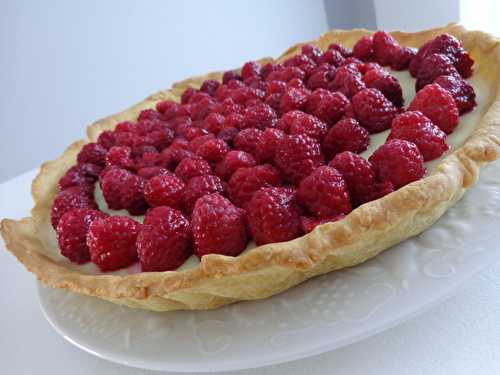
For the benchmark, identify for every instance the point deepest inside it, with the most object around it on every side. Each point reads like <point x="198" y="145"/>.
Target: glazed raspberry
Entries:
<point x="309" y="125"/>
<point x="187" y="95"/>
<point x="201" y="108"/>
<point x="66" y="200"/>
<point x="348" y="81"/>
<point x="358" y="175"/>
<point x="250" y="69"/>
<point x="195" y="143"/>
<point x="111" y="242"/>
<point x="164" y="241"/>
<point x="139" y="151"/>
<point x="321" y="77"/>
<point x="260" y="116"/>
<point x="386" y="83"/>
<point x="214" y="122"/>
<point x="402" y="57"/>
<point x="165" y="190"/>
<point x="148" y="172"/>
<point x="244" y="94"/>
<point x="268" y="69"/>
<point x="373" y="110"/>
<point x="228" y="134"/>
<point x="345" y="135"/>
<point x="128" y="139"/>
<point x="354" y="62"/>
<point x="301" y="61"/>
<point x="132" y="195"/>
<point x="311" y="51"/>
<point x="413" y="126"/>
<point x="149" y="114"/>
<point x="363" y="49"/>
<point x="324" y="193"/>
<point x="191" y="133"/>
<point x="297" y="156"/>
<point x="229" y="75"/>
<point x="437" y="104"/>
<point x="331" y="57"/>
<point x="125" y="127"/>
<point x="286" y="74"/>
<point x="120" y="156"/>
<point x="247" y="180"/>
<point x="111" y="182"/>
<point x="433" y="66"/>
<point x="160" y="139"/>
<point x="266" y="146"/>
<point x="210" y="86"/>
<point x="308" y="223"/>
<point x="172" y="156"/>
<point x="273" y="216"/>
<point x="189" y="168"/>
<point x="340" y="48"/>
<point x="166" y="106"/>
<point x="213" y="150"/>
<point x="218" y="227"/>
<point x="399" y="162"/>
<point x="147" y="159"/>
<point x="83" y="175"/>
<point x="92" y="153"/>
<point x="232" y="161"/>
<point x="255" y="82"/>
<point x="198" y="187"/>
<point x="461" y="90"/>
<point x="327" y="106"/>
<point x="72" y="233"/>
<point x="234" y="120"/>
<point x="380" y="190"/>
<point x="235" y="84"/>
<point x="293" y="98"/>
<point x="384" y="47"/>
<point x="464" y="63"/>
<point x="180" y="143"/>
<point x="106" y="139"/>
<point x="247" y="139"/>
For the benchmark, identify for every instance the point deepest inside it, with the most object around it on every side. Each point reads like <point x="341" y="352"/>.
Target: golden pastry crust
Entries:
<point x="273" y="268"/>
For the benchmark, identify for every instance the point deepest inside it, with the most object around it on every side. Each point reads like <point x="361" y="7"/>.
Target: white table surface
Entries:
<point x="460" y="336"/>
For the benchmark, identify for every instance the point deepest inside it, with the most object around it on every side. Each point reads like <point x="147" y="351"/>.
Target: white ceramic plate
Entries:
<point x="320" y="315"/>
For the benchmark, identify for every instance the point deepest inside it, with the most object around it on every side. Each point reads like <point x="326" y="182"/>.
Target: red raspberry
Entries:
<point x="328" y="106"/>
<point x="247" y="180"/>
<point x="198" y="187"/>
<point x="247" y="139"/>
<point x="461" y="90"/>
<point x="125" y="127"/>
<point x="369" y="66"/>
<point x="218" y="227"/>
<point x="139" y="151"/>
<point x="373" y="110"/>
<point x="437" y="104"/>
<point x="413" y="126"/>
<point x="235" y="84"/>
<point x="149" y="114"/>
<point x="348" y="81"/>
<point x="308" y="223"/>
<point x="191" y="133"/>
<point x="232" y="161"/>
<point x="286" y="74"/>
<point x="166" y="106"/>
<point x="165" y="190"/>
<point x="332" y="57"/>
<point x="72" y="233"/>
<point x="295" y="83"/>
<point x="229" y="75"/>
<point x="345" y="135"/>
<point x="386" y="83"/>
<point x="273" y="216"/>
<point x="172" y="156"/>
<point x="92" y="153"/>
<point x="321" y="77"/>
<point x="311" y="51"/>
<point x="384" y="47"/>
<point x="120" y="156"/>
<point x="159" y="138"/>
<point x="293" y="98"/>
<point x="399" y="162"/>
<point x="187" y="95"/>
<point x="227" y="106"/>
<point x="250" y="69"/>
<point x="244" y="94"/>
<point x="268" y="69"/>
<point x="111" y="242"/>
<point x="266" y="146"/>
<point x="106" y="139"/>
<point x="214" y="122"/>
<point x="297" y="156"/>
<point x="213" y="150"/>
<point x="132" y="195"/>
<point x="354" y="62"/>
<point x="340" y="48"/>
<point x="201" y="108"/>
<point x="210" y="86"/>
<point x="111" y="181"/>
<point x="433" y="66"/>
<point x="128" y="139"/>
<point x="66" y="200"/>
<point x="164" y="241"/>
<point x="464" y="63"/>
<point x="363" y="49"/>
<point x="255" y="82"/>
<point x="301" y="61"/>
<point x="402" y="57"/>
<point x="309" y="125"/>
<point x="195" y="143"/>
<point x="234" y="120"/>
<point x="180" y="143"/>
<point x="189" y="168"/>
<point x="228" y="134"/>
<point x="260" y="116"/>
<point x="324" y="193"/>
<point x="83" y="175"/>
<point x="358" y="175"/>
<point x="148" y="172"/>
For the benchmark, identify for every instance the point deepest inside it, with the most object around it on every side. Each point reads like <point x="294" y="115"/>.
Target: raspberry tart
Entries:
<point x="239" y="185"/>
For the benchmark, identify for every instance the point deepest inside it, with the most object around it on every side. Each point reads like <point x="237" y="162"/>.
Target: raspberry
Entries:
<point x="358" y="175"/>
<point x="384" y="47"/>
<point x="250" y="69"/>
<point x="72" y="233"/>
<point x="167" y="106"/>
<point x="327" y="106"/>
<point x="297" y="156"/>
<point x="321" y="77"/>
<point x="72" y="197"/>
<point x="308" y="223"/>
<point x="228" y="134"/>
<point x="247" y="180"/>
<point x="461" y="90"/>
<point x="247" y="139"/>
<point x="345" y="135"/>
<point x="200" y="109"/>
<point x="92" y="153"/>
<point x="353" y="62"/>
<point x="132" y="195"/>
<point x="159" y="138"/>
<point x="83" y="175"/>
<point x="120" y="156"/>
<point x="234" y="120"/>
<point x="189" y="168"/>
<point x="399" y="162"/>
<point x="293" y="98"/>
<point x="165" y="190"/>
<point x="301" y="61"/>
<point x="266" y="146"/>
<point x="106" y="139"/>
<point x="386" y="83"/>
<point x="213" y="150"/>
<point x="139" y="151"/>
<point x="149" y="114"/>
<point x="324" y="193"/>
<point x="180" y="143"/>
<point x="363" y="49"/>
<point x="380" y="189"/>
<point x="210" y="86"/>
<point x="402" y="57"/>
<point x="311" y="51"/>
<point x="218" y="227"/>
<point x="214" y="122"/>
<point x="415" y="127"/>
<point x="198" y="187"/>
<point x="125" y="127"/>
<point x="373" y="110"/>
<point x="187" y="95"/>
<point x="309" y="125"/>
<point x="464" y="63"/>
<point x="348" y="81"/>
<point x="148" y="172"/>
<point x="243" y="94"/>
<point x="172" y="156"/>
<point x="128" y="139"/>
<point x="195" y="143"/>
<point x="340" y="48"/>
<point x="111" y="183"/>
<point x="232" y="161"/>
<point x="235" y="84"/>
<point x="286" y="74"/>
<point x="268" y="69"/>
<point x="433" y="66"/>
<point x="260" y="116"/>
<point x="331" y="57"/>
<point x="437" y="104"/>
<point x="229" y="75"/>
<point x="191" y="133"/>
<point x="164" y="241"/>
<point x="111" y="242"/>
<point x="273" y="216"/>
